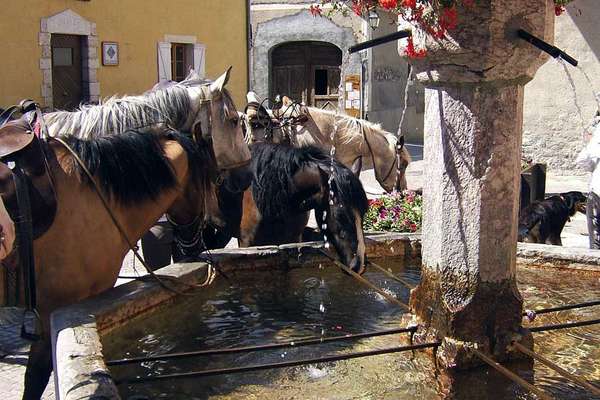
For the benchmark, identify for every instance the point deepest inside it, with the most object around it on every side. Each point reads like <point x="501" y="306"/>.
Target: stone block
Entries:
<point x="47" y="77"/>
<point x="94" y="89"/>
<point x="44" y="39"/>
<point x="46" y="51"/>
<point x="45" y="63"/>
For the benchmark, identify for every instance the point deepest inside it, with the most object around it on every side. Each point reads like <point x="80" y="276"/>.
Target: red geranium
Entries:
<point x="389" y="4"/>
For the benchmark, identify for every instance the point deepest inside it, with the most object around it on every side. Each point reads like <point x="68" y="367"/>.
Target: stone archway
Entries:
<point x="301" y="26"/>
<point x="69" y="23"/>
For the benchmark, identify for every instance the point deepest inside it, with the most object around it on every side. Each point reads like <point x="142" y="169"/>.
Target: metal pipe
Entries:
<point x="213" y="372"/>
<point x="565" y="307"/>
<point x="544" y="328"/>
<point x="512" y="376"/>
<point x="391" y="275"/>
<point x="295" y="343"/>
<point x="358" y="277"/>
<point x="594" y="389"/>
<point x="546" y="47"/>
<point x="380" y="40"/>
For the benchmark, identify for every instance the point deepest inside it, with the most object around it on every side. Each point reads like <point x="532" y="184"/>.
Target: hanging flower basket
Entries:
<point x="401" y="212"/>
<point x="434" y="17"/>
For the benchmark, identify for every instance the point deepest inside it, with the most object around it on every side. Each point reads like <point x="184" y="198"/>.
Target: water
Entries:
<point x="315" y="302"/>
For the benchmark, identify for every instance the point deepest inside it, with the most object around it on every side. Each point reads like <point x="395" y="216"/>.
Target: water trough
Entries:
<point x="80" y="364"/>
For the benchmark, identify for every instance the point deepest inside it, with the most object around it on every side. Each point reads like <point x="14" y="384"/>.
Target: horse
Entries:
<point x="353" y="138"/>
<point x="287" y="183"/>
<point x="7" y="232"/>
<point x="142" y="169"/>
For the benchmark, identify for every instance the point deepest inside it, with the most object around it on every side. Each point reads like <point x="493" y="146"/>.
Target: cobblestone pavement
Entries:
<point x="13" y="350"/>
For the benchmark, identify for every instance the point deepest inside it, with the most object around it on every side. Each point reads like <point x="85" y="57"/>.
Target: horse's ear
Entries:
<point x="357" y="167"/>
<point x="221" y="81"/>
<point x="400" y="143"/>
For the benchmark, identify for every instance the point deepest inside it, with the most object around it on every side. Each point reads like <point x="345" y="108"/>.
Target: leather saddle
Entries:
<point x="21" y="148"/>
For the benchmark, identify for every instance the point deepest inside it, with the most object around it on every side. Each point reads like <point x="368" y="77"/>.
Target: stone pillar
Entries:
<point x="473" y="126"/>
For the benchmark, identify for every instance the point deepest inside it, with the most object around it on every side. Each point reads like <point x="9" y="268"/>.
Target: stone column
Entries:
<point x="473" y="126"/>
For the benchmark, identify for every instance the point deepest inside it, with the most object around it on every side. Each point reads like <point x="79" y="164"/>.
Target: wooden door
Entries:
<point x="306" y="71"/>
<point x="66" y="71"/>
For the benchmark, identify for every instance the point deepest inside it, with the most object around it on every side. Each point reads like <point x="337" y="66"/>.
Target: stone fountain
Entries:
<point x="474" y="82"/>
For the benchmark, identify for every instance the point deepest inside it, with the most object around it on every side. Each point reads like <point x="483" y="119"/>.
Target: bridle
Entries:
<point x="286" y="121"/>
<point x="397" y="159"/>
<point x="206" y="135"/>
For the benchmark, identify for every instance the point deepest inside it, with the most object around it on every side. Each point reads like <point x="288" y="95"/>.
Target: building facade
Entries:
<point x="306" y="58"/>
<point x="63" y="52"/>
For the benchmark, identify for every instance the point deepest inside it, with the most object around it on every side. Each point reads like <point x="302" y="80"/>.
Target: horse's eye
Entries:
<point x="234" y="120"/>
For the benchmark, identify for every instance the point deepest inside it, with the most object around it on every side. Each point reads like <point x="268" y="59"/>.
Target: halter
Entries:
<point x="285" y="124"/>
<point x="396" y="163"/>
<point x="205" y="127"/>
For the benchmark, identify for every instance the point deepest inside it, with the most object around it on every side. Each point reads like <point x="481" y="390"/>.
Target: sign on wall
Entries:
<point x="352" y="95"/>
<point x="110" y="53"/>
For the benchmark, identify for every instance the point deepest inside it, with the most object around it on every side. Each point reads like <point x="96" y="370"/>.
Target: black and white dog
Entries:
<point x="543" y="221"/>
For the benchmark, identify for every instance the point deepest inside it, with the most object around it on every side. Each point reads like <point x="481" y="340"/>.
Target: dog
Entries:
<point x="543" y="221"/>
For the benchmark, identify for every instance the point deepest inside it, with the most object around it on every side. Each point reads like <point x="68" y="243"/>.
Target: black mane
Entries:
<point x="132" y="166"/>
<point x="274" y="167"/>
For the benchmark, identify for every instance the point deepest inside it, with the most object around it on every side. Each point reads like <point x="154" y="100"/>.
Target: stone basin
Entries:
<point x="78" y="331"/>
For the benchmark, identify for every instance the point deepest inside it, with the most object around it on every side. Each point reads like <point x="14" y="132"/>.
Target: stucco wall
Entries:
<point x="137" y="25"/>
<point x="552" y="128"/>
<point x="386" y="84"/>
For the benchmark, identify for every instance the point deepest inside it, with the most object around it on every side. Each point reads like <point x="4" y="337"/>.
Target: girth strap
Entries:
<point x="24" y="233"/>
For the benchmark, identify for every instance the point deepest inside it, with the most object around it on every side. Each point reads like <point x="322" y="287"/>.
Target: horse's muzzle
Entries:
<point x="238" y="179"/>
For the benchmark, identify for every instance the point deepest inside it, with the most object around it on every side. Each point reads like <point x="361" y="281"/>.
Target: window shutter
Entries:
<point x="199" y="52"/>
<point x="164" y="61"/>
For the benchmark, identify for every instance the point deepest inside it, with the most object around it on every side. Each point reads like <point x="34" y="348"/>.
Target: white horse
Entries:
<point x="353" y="138"/>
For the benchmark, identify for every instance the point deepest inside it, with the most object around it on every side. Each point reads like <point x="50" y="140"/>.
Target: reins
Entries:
<point x="133" y="247"/>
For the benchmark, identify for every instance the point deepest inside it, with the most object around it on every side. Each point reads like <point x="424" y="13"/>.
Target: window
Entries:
<point x="321" y="82"/>
<point x="179" y="61"/>
<point x="62" y="56"/>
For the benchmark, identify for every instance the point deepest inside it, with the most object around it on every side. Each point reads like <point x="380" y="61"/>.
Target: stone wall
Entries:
<point x="553" y="126"/>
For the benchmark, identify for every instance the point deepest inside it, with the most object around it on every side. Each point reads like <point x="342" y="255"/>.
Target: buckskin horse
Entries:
<point x="142" y="172"/>
<point x="355" y="140"/>
<point x="288" y="182"/>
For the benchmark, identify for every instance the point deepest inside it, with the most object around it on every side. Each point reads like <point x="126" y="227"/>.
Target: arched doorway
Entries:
<point x="307" y="71"/>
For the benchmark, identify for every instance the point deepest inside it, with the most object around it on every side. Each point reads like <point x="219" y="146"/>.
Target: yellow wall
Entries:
<point x="137" y="25"/>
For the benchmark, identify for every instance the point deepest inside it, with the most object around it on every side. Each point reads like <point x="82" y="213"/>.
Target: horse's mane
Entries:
<point x="167" y="104"/>
<point x="132" y="167"/>
<point x="274" y="167"/>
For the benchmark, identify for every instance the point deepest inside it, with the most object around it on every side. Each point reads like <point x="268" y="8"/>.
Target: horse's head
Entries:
<point x="340" y="217"/>
<point x="216" y="122"/>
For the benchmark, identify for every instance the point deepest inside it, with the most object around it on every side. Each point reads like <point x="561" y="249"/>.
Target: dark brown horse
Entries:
<point x="143" y="174"/>
<point x="289" y="182"/>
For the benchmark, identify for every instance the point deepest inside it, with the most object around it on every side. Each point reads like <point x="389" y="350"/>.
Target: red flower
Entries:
<point x="413" y="227"/>
<point x="558" y="10"/>
<point x="389" y="4"/>
<point x="411" y="52"/>
<point x="315" y="10"/>
<point x="409" y="3"/>
<point x="448" y="19"/>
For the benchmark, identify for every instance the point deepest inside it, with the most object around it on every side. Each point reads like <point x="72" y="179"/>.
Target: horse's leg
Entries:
<point x="39" y="368"/>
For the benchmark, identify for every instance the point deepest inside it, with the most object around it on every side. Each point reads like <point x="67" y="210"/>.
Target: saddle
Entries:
<point x="23" y="155"/>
